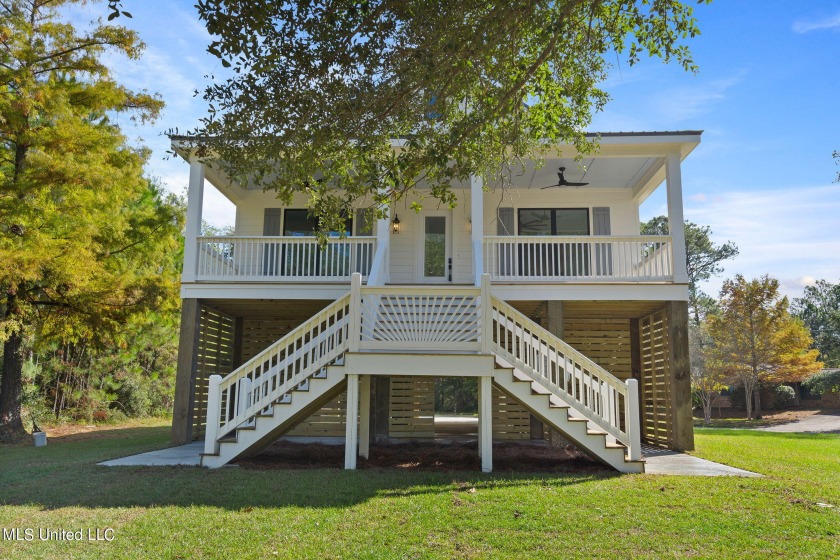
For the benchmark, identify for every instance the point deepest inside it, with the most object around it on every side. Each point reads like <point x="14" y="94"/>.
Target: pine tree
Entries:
<point x="77" y="242"/>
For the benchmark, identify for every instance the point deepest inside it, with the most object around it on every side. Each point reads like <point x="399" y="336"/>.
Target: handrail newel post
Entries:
<point x="486" y="314"/>
<point x="634" y="434"/>
<point x="211" y="432"/>
<point x="355" y="311"/>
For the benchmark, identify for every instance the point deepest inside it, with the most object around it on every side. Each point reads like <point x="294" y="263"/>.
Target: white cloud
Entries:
<point x="790" y="234"/>
<point x="829" y="22"/>
<point x="699" y="197"/>
<point x="683" y="103"/>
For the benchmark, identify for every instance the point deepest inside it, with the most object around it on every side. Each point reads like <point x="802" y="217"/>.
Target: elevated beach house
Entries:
<point x="571" y="321"/>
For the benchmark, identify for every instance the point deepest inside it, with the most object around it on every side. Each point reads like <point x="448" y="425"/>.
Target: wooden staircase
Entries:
<point x="555" y="413"/>
<point x="273" y="421"/>
<point x="422" y="331"/>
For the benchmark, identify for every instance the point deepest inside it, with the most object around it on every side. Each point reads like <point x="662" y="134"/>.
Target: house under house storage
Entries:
<point x="571" y="321"/>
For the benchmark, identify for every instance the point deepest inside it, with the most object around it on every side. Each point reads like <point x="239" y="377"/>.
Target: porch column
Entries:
<point x="682" y="438"/>
<point x="195" y="201"/>
<point x="477" y="226"/>
<point x="182" y="415"/>
<point x="352" y="433"/>
<point x="364" y="416"/>
<point x="676" y="221"/>
<point x="485" y="422"/>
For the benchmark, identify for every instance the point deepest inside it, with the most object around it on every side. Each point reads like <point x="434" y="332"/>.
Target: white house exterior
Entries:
<point x="572" y="321"/>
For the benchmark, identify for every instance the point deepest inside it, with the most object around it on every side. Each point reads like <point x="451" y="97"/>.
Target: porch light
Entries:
<point x="395" y="224"/>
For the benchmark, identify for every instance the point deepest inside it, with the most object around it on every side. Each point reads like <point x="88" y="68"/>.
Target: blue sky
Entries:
<point x="766" y="96"/>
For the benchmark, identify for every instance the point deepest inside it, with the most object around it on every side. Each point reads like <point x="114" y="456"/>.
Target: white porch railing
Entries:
<point x="412" y="319"/>
<point x="641" y="258"/>
<point x="589" y="389"/>
<point x="282" y="259"/>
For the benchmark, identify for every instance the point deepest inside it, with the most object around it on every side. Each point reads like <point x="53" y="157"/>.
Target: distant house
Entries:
<point x="570" y="320"/>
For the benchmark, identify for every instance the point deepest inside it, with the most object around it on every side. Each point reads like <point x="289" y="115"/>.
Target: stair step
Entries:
<point x="538" y="389"/>
<point x="519" y="376"/>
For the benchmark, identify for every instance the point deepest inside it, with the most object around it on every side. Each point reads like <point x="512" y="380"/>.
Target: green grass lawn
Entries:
<point x="180" y="512"/>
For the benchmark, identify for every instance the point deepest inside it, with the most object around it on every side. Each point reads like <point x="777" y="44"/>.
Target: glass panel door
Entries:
<point x="433" y="248"/>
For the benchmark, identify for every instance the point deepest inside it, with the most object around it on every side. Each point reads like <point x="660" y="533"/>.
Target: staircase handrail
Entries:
<point x="285" y="364"/>
<point x="579" y="382"/>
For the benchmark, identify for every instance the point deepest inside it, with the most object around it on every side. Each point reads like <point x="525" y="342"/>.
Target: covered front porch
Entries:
<point x="526" y="231"/>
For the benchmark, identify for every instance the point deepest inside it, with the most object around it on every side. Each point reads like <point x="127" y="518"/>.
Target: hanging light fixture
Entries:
<point x="395" y="224"/>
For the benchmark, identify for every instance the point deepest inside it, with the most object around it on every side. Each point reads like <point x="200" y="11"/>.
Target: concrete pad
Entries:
<point x="821" y="423"/>
<point x="665" y="461"/>
<point x="171" y="456"/>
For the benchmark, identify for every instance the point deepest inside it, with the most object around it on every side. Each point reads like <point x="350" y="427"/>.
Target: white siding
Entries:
<point x="624" y="210"/>
<point x="624" y="218"/>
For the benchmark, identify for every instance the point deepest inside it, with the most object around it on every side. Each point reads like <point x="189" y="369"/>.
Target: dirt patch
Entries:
<point x="417" y="455"/>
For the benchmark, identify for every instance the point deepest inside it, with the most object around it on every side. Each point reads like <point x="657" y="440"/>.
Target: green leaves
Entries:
<point x="320" y="90"/>
<point x="82" y="234"/>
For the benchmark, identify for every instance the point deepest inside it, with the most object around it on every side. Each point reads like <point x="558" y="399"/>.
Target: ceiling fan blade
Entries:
<point x="550" y="187"/>
<point x="576" y="184"/>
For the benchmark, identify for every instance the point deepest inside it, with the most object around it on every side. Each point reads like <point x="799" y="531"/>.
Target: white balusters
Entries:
<point x="641" y="258"/>
<point x="282" y="259"/>
<point x="590" y="390"/>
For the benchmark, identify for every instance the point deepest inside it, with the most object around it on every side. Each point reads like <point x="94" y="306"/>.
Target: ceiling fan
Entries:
<point x="562" y="182"/>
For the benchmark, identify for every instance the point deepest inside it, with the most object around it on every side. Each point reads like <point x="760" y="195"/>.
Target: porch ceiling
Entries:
<point x="292" y="310"/>
<point x="592" y="309"/>
<point x="599" y="172"/>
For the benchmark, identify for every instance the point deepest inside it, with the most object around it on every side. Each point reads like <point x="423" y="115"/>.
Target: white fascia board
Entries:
<point x="224" y="184"/>
<point x="257" y="290"/>
<point x="591" y="292"/>
<point x="418" y="364"/>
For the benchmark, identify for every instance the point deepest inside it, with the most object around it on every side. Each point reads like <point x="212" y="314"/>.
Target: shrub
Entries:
<point x="783" y="397"/>
<point x="825" y="381"/>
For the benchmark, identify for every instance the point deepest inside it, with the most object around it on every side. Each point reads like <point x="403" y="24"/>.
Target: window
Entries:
<point x="554" y="221"/>
<point x="549" y="258"/>
<point x="304" y="258"/>
<point x="298" y="223"/>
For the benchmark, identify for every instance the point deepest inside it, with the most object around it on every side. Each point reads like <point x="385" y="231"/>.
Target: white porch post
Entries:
<point x="352" y="433"/>
<point x="633" y="420"/>
<point x="477" y="226"/>
<point x="486" y="333"/>
<point x="379" y="268"/>
<point x="211" y="432"/>
<point x="364" y="416"/>
<point x="195" y="201"/>
<point x="676" y="221"/>
<point x="485" y="422"/>
<point x="355" y="312"/>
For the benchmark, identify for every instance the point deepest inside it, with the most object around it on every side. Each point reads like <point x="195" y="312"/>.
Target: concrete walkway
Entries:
<point x="171" y="456"/>
<point x="665" y="461"/>
<point x="820" y="423"/>
<point x="658" y="461"/>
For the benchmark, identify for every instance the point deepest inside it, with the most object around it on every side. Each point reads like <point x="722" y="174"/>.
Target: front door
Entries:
<point x="434" y="247"/>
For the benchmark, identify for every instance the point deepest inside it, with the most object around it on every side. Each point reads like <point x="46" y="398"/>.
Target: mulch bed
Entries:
<point x="426" y="456"/>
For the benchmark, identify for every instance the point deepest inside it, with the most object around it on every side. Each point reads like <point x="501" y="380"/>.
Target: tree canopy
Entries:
<point x="319" y="90"/>
<point x="703" y="258"/>
<point x="819" y="308"/>
<point x="755" y="339"/>
<point x="83" y="235"/>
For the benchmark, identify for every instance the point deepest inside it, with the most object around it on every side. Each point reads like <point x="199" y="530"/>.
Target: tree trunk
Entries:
<point x="758" y="402"/>
<point x="748" y="394"/>
<point x="707" y="411"/>
<point x="11" y="424"/>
